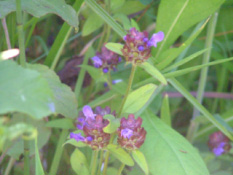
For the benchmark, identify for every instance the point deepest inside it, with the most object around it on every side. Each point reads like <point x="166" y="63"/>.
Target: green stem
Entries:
<point x="128" y="88"/>
<point x="202" y="81"/>
<point x="26" y="157"/>
<point x="20" y="33"/>
<point x="94" y="162"/>
<point x="58" y="153"/>
<point x="9" y="166"/>
<point x="106" y="163"/>
<point x="121" y="169"/>
<point x="100" y="162"/>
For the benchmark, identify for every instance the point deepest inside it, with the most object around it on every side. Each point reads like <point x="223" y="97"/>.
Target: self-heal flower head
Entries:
<point x="137" y="48"/>
<point x="106" y="60"/>
<point x="219" y="143"/>
<point x="126" y="133"/>
<point x="131" y="135"/>
<point x="87" y="111"/>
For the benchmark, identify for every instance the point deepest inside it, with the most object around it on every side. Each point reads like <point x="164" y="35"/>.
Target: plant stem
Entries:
<point x="128" y="88"/>
<point x="4" y="25"/>
<point x="58" y="152"/>
<point x="20" y="33"/>
<point x="100" y="162"/>
<point x="106" y="163"/>
<point x="202" y="81"/>
<point x="9" y="166"/>
<point x="26" y="158"/>
<point x="121" y="169"/>
<point x="94" y="162"/>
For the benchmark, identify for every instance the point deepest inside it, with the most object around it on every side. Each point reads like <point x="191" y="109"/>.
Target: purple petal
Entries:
<point x="126" y="133"/>
<point x="80" y="127"/>
<point x="87" y="111"/>
<point x="157" y="37"/>
<point x="116" y="81"/>
<point x="78" y="137"/>
<point x="97" y="61"/>
<point x="89" y="138"/>
<point x="119" y="59"/>
<point x="105" y="70"/>
<point x="141" y="48"/>
<point x="220" y="149"/>
<point x="125" y="38"/>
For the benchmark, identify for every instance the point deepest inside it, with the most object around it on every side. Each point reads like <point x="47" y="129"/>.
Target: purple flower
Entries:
<point x="97" y="61"/>
<point x="87" y="111"/>
<point x="126" y="133"/>
<point x="105" y="70"/>
<point x="89" y="138"/>
<point x="220" y="149"/>
<point x="141" y="48"/>
<point x="125" y="37"/>
<point x="78" y="137"/>
<point x="156" y="37"/>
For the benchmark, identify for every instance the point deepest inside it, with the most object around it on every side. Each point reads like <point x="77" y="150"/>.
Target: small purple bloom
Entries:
<point x="78" y="137"/>
<point x="87" y="111"/>
<point x="145" y="40"/>
<point x="220" y="149"/>
<point x="125" y="37"/>
<point x="105" y="70"/>
<point x="126" y="133"/>
<point x="116" y="81"/>
<point x="89" y="138"/>
<point x="156" y="37"/>
<point x="119" y="59"/>
<point x="80" y="127"/>
<point x="141" y="48"/>
<point x="97" y="61"/>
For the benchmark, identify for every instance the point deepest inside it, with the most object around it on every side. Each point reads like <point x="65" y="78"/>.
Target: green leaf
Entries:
<point x="145" y="2"/>
<point x="165" y="111"/>
<point x="152" y="70"/>
<point x="24" y="90"/>
<point x="135" y="24"/>
<point x="115" y="47"/>
<point x="113" y="124"/>
<point x="39" y="168"/>
<point x="182" y="15"/>
<point x="170" y="54"/>
<point x="65" y="101"/>
<point x="106" y="17"/>
<point x="64" y="123"/>
<point x="197" y="105"/>
<point x="141" y="160"/>
<point x="130" y="7"/>
<point x="75" y="143"/>
<point x="96" y="74"/>
<point x="167" y="152"/>
<point x="92" y="23"/>
<point x="123" y="19"/>
<point x="185" y="60"/>
<point x="60" y="41"/>
<point x="195" y="68"/>
<point x="138" y="98"/>
<point x="79" y="163"/>
<point x="120" y="154"/>
<point x="39" y="8"/>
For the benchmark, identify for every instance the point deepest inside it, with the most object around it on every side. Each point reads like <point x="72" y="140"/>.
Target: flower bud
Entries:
<point x="130" y="133"/>
<point x="219" y="143"/>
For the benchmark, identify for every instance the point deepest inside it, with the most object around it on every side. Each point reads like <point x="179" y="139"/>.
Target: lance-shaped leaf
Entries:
<point x="138" y="98"/>
<point x="40" y="8"/>
<point x="139" y="157"/>
<point x="168" y="152"/>
<point x="113" y="124"/>
<point x="115" y="47"/>
<point x="79" y="163"/>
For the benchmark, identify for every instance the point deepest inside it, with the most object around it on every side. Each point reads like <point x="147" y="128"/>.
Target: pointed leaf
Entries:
<point x="115" y="47"/>
<point x="138" y="98"/>
<point x="63" y="123"/>
<point x="152" y="70"/>
<point x="92" y="23"/>
<point x="120" y="154"/>
<point x="79" y="163"/>
<point x="39" y="168"/>
<point x="141" y="160"/>
<point x="165" y="111"/>
<point x="168" y="152"/>
<point x="113" y="124"/>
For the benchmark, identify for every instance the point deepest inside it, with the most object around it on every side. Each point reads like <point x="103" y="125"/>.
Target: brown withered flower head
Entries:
<point x="130" y="133"/>
<point x="219" y="143"/>
<point x="92" y="125"/>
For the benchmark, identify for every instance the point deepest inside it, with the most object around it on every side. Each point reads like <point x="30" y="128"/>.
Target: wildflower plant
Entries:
<point x="134" y="126"/>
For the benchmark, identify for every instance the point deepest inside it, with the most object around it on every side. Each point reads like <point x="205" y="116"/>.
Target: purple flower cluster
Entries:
<point x="137" y="48"/>
<point x="106" y="60"/>
<point x="130" y="133"/>
<point x="92" y="125"/>
<point x="219" y="143"/>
